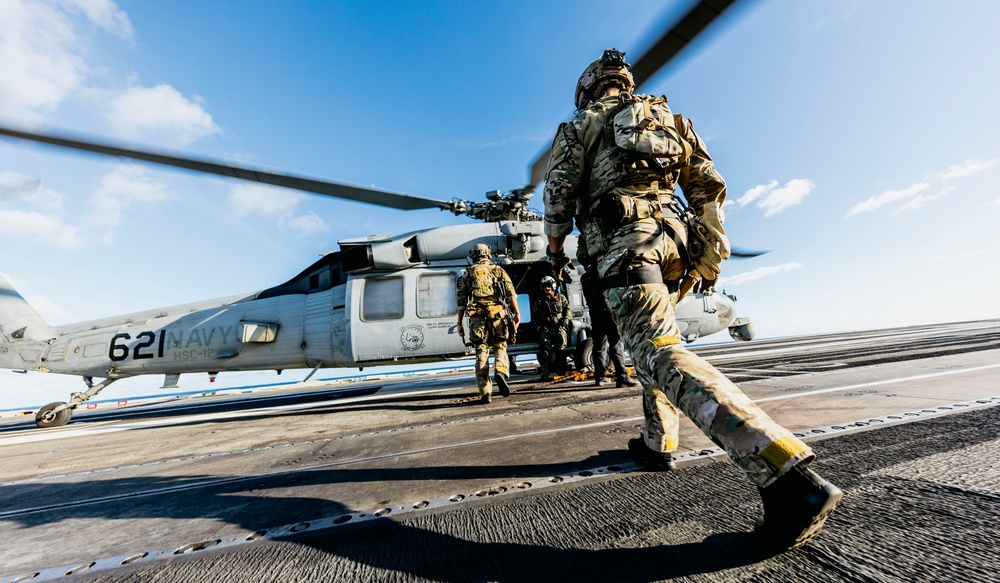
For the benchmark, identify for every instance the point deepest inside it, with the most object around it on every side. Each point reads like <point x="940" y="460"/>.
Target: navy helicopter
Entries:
<point x="381" y="299"/>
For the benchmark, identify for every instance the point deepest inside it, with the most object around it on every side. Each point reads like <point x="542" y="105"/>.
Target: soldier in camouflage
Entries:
<point x="485" y="292"/>
<point x="613" y="169"/>
<point x="552" y="315"/>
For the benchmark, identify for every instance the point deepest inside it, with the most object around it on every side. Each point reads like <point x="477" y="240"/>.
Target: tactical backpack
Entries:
<point x="646" y="136"/>
<point x="483" y="283"/>
<point x="644" y="127"/>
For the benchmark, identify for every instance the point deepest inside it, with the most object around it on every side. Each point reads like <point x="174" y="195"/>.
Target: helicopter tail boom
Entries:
<point x="20" y="324"/>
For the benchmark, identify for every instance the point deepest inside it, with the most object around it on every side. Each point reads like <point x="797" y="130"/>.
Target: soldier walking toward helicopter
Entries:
<point x="485" y="292"/>
<point x="618" y="161"/>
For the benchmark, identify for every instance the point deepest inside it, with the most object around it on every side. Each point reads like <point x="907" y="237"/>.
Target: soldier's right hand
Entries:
<point x="712" y="216"/>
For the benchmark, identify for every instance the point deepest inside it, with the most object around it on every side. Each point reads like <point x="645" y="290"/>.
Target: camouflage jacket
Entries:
<point x="585" y="164"/>
<point x="502" y="285"/>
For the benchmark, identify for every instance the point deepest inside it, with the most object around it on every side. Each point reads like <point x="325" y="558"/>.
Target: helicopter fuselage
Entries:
<point x="379" y="300"/>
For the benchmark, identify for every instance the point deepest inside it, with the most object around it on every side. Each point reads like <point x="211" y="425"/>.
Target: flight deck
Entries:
<point x="407" y="479"/>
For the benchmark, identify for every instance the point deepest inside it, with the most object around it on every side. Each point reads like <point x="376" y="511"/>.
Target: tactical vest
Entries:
<point x="482" y="284"/>
<point x="552" y="308"/>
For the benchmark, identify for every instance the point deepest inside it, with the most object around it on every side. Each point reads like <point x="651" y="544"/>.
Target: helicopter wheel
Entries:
<point x="583" y="356"/>
<point x="46" y="418"/>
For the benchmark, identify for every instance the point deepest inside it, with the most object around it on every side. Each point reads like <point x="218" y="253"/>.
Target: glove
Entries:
<point x="710" y="241"/>
<point x="712" y="216"/>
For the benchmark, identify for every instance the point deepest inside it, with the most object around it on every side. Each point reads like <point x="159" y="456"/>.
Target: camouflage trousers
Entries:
<point x="487" y="332"/>
<point x="675" y="378"/>
<point x="483" y="365"/>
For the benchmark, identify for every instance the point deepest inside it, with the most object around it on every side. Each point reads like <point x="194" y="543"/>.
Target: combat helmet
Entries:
<point x="610" y="68"/>
<point x="480" y="251"/>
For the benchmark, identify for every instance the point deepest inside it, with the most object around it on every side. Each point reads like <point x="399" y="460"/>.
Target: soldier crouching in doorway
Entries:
<point x="485" y="292"/>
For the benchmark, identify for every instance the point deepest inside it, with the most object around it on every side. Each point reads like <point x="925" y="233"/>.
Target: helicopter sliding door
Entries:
<point x="405" y="315"/>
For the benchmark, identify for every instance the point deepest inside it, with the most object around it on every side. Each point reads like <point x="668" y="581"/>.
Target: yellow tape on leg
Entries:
<point x="668" y="340"/>
<point x="782" y="450"/>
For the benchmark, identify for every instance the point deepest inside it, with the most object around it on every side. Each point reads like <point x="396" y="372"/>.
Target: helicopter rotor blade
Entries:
<point x="363" y="194"/>
<point x="663" y="51"/>
<point x="737" y="253"/>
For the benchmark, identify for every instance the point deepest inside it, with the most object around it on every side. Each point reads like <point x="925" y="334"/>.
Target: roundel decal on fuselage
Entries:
<point x="412" y="338"/>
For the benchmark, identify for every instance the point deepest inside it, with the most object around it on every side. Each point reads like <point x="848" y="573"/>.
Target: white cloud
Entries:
<point x="42" y="54"/>
<point x="160" y="113"/>
<point x="530" y="138"/>
<point x="922" y="199"/>
<point x="39" y="60"/>
<point x="275" y="203"/>
<point x="43" y="228"/>
<point x="756" y="192"/>
<point x="968" y="167"/>
<point x="307" y="224"/>
<point x="120" y="188"/>
<point x="756" y="274"/>
<point x="45" y="224"/>
<point x="774" y="199"/>
<point x="42" y="224"/>
<point x="880" y="200"/>
<point x="47" y="308"/>
<point x="256" y="199"/>
<point x="106" y="14"/>
<point x="952" y="257"/>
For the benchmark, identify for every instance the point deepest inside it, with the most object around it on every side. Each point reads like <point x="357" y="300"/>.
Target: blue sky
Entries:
<point x="858" y="139"/>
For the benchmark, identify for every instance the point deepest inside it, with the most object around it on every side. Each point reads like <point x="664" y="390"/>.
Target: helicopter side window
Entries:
<point x="436" y="295"/>
<point x="524" y="303"/>
<point x="382" y="299"/>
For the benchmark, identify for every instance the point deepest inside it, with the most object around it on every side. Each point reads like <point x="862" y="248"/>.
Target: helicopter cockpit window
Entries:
<point x="382" y="299"/>
<point x="436" y="295"/>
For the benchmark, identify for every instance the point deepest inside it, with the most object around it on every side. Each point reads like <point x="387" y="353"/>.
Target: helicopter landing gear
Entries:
<point x="58" y="414"/>
<point x="583" y="356"/>
<point x="53" y="415"/>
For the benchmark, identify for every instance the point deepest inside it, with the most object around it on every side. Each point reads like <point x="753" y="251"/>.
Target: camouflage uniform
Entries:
<point x="586" y="170"/>
<point x="488" y="326"/>
<point x="552" y="314"/>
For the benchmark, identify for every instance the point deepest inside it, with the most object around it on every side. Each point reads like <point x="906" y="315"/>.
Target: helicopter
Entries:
<point x="379" y="299"/>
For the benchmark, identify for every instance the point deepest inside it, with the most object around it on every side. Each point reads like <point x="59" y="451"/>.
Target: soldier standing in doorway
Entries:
<point x="485" y="292"/>
<point x="618" y="161"/>
<point x="552" y="315"/>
